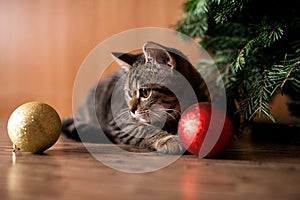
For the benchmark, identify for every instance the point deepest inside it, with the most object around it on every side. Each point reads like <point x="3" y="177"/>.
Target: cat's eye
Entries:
<point x="145" y="92"/>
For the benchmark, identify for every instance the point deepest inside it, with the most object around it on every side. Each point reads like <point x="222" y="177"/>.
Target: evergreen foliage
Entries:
<point x="255" y="45"/>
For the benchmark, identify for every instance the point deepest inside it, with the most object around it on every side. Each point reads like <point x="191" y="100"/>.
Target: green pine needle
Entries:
<point x="255" y="45"/>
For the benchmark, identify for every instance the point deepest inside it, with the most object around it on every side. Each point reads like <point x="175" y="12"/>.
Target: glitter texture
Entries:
<point x="34" y="127"/>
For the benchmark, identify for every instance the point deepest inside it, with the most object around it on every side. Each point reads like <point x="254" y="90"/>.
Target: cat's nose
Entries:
<point x="133" y="106"/>
<point x="133" y="109"/>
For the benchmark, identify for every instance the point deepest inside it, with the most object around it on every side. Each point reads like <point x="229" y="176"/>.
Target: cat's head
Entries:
<point x="148" y="96"/>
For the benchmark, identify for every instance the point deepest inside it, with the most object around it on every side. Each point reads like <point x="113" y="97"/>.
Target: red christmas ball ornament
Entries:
<point x="205" y="129"/>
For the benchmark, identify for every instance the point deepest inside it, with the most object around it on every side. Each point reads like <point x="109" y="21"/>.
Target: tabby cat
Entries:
<point x="140" y="105"/>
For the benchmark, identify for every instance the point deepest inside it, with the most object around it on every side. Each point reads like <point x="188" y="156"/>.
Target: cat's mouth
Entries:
<point x="140" y="117"/>
<point x="149" y="118"/>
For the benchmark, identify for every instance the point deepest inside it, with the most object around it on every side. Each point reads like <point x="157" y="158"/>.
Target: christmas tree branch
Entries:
<point x="255" y="45"/>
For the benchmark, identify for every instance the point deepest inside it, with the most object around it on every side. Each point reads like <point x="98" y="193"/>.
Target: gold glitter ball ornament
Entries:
<point x="34" y="127"/>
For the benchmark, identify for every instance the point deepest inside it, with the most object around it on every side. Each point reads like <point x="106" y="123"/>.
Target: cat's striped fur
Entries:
<point x="139" y="106"/>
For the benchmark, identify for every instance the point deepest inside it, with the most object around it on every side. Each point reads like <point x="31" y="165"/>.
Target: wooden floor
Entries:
<point x="265" y="165"/>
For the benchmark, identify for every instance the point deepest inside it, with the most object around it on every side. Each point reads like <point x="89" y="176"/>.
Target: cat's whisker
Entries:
<point x="167" y="111"/>
<point x="124" y="115"/>
<point x="174" y="110"/>
<point x="168" y="114"/>
<point x="156" y="116"/>
<point x="121" y="115"/>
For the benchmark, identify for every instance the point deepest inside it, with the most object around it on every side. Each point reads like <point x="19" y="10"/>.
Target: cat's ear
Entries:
<point x="158" y="53"/>
<point x="125" y="60"/>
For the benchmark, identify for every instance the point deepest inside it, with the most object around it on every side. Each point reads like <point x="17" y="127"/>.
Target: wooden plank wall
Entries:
<point x="43" y="43"/>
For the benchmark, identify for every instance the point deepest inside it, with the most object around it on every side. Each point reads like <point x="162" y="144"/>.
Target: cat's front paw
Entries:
<point x="169" y="144"/>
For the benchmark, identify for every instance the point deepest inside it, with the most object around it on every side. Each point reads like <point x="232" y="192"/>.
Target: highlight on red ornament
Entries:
<point x="200" y="135"/>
